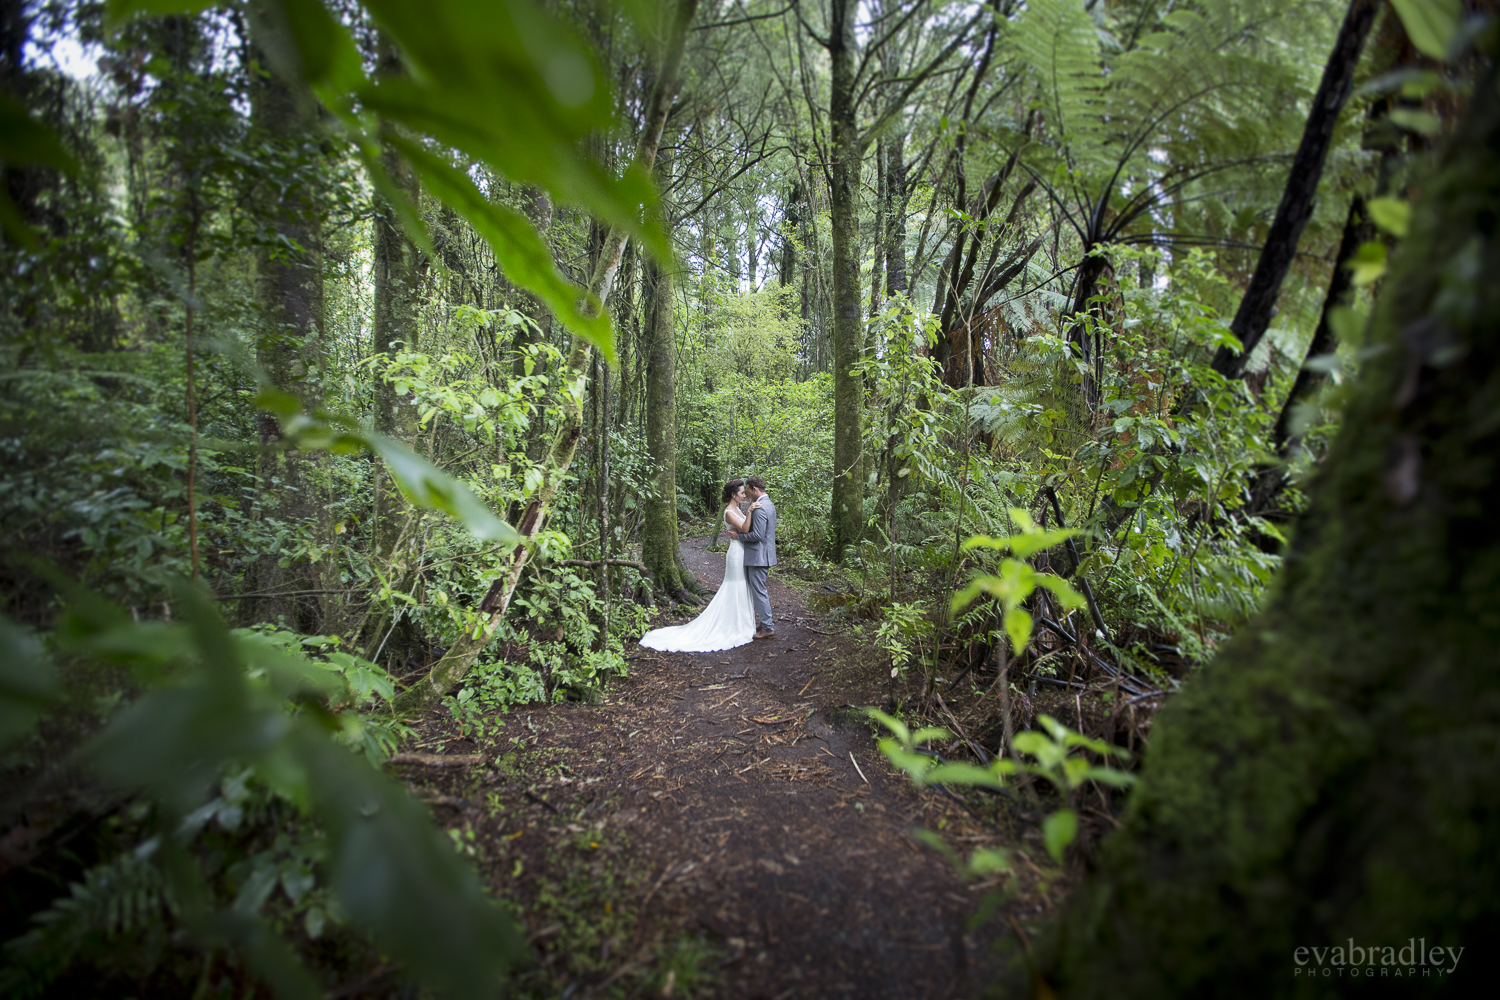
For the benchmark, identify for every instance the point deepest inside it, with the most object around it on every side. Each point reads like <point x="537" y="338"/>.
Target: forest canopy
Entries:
<point x="371" y="373"/>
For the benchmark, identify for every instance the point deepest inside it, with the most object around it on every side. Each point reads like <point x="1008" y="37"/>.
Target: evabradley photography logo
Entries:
<point x="1415" y="959"/>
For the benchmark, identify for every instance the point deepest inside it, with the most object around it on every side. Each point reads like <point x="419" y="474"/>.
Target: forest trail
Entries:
<point x="741" y="801"/>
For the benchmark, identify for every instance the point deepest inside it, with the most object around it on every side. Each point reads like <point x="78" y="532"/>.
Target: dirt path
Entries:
<point x="722" y="823"/>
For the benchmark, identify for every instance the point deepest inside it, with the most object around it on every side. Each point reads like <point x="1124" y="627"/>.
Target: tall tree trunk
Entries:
<point x="659" y="531"/>
<point x="1254" y="314"/>
<point x="394" y="320"/>
<point x="1271" y="478"/>
<point x="293" y="487"/>
<point x="1330" y="775"/>
<point x="877" y="239"/>
<point x="847" y="520"/>
<point x="15" y="28"/>
<point x="459" y="660"/>
<point x="627" y="344"/>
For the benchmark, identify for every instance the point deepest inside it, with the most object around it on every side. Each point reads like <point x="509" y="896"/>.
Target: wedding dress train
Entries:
<point x="728" y="621"/>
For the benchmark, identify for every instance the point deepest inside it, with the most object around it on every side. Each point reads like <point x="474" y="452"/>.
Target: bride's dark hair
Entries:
<point x="730" y="489"/>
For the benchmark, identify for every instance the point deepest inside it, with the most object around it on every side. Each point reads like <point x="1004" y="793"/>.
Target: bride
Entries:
<point x="729" y="619"/>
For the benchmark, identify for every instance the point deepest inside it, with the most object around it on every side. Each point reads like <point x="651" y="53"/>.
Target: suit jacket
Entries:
<point x="759" y="536"/>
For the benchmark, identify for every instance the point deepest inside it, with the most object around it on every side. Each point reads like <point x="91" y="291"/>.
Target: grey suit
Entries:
<point x="759" y="539"/>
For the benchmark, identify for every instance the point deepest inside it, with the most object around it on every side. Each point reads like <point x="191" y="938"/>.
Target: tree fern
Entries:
<point x="1193" y="94"/>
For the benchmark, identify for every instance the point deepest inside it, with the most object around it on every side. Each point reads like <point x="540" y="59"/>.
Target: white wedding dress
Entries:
<point x="728" y="621"/>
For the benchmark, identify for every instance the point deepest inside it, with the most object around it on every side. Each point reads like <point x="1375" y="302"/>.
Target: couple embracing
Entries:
<point x="741" y="610"/>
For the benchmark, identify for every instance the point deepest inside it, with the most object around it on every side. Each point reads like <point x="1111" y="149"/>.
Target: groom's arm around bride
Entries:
<point x="759" y="539"/>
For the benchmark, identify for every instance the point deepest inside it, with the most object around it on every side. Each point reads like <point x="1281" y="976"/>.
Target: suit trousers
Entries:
<point x="755" y="576"/>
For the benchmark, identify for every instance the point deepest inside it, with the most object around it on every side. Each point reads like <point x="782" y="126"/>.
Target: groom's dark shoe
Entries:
<point x="763" y="634"/>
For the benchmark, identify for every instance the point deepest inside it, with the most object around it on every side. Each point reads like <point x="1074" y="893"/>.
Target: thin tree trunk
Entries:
<point x="1080" y="334"/>
<point x="289" y="349"/>
<point x="1357" y="232"/>
<point x="1276" y="811"/>
<point x="394" y="316"/>
<point x="537" y="206"/>
<point x="1272" y="477"/>
<point x="752" y="249"/>
<point x="877" y="239"/>
<point x="895" y="214"/>
<point x="459" y="660"/>
<point x="1258" y="304"/>
<point x="791" y="234"/>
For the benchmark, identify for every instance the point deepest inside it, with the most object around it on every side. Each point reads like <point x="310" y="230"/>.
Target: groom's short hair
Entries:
<point x="755" y="482"/>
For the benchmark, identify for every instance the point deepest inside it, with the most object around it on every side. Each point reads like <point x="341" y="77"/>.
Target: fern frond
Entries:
<point x="1059" y="43"/>
<point x="118" y="898"/>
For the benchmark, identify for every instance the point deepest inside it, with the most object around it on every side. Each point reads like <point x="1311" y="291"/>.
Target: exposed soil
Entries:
<point x="723" y="824"/>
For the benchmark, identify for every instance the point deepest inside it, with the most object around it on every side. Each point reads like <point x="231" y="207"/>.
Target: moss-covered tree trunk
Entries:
<point x="847" y="518"/>
<point x="1334" y="774"/>
<point x="659" y="527"/>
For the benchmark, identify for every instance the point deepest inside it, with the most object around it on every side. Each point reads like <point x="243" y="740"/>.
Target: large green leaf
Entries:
<point x="513" y="87"/>
<point x="518" y="248"/>
<point x="1022" y="546"/>
<point x="1430" y="24"/>
<point x="422" y="483"/>
<point x="427" y="486"/>
<point x="1057" y="40"/>
<point x="27" y="682"/>
<point x="25" y="140"/>
<point x="119" y="10"/>
<point x="1058" y="831"/>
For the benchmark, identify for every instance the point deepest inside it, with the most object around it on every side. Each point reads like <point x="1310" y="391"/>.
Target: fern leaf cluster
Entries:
<point x="1196" y="92"/>
<point x="121" y="900"/>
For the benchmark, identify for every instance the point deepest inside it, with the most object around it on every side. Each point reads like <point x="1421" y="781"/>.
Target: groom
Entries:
<point x="759" y="539"/>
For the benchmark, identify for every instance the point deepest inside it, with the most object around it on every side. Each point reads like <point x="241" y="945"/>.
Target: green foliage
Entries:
<point x="513" y="88"/>
<point x="1017" y="580"/>
<point x="568" y="653"/>
<point x="1053" y="759"/>
<point x="216" y="701"/>
<point x="1159" y="125"/>
<point x="1142" y="104"/>
<point x="423" y="484"/>
<point x="904" y="630"/>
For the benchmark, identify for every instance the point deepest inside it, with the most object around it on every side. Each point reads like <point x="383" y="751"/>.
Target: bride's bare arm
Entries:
<point x="736" y="520"/>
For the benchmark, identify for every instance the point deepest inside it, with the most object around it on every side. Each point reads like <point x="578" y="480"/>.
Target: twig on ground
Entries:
<point x="438" y="760"/>
<point x="533" y="797"/>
